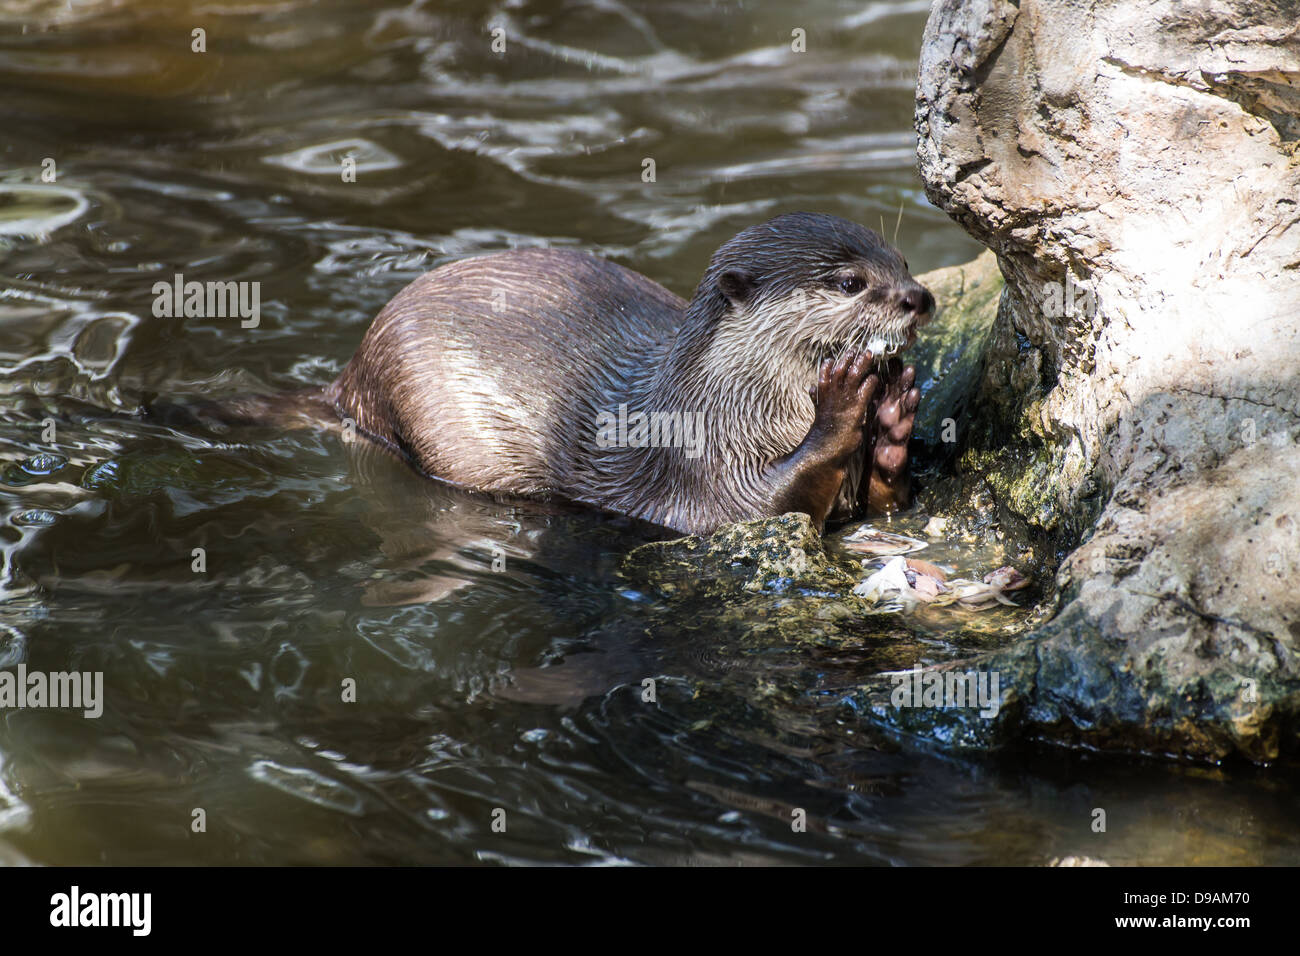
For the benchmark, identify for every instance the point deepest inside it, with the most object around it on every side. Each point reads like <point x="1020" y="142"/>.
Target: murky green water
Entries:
<point x="476" y="691"/>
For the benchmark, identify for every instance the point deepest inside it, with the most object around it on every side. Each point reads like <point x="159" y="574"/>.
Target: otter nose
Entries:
<point x="916" y="301"/>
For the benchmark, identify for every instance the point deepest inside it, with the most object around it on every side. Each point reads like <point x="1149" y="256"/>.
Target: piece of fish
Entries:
<point x="879" y="543"/>
<point x="903" y="583"/>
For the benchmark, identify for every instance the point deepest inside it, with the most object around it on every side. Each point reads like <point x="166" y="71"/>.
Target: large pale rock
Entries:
<point x="1135" y="167"/>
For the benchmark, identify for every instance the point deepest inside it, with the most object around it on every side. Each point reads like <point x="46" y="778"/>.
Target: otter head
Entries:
<point x="810" y="286"/>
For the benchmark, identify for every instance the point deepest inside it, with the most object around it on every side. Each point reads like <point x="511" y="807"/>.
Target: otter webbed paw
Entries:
<point x="890" y="429"/>
<point x="842" y="397"/>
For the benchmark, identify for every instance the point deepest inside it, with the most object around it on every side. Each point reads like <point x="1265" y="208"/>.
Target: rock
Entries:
<point x="949" y="359"/>
<point x="1179" y="631"/>
<point x="1136" y="171"/>
<point x="771" y="555"/>
<point x="948" y="351"/>
<point x="758" y="600"/>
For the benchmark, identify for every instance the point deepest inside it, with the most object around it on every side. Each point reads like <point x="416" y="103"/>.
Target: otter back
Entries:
<point x="490" y="372"/>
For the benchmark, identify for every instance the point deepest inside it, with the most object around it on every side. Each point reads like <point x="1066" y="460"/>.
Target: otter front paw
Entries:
<point x="842" y="397"/>
<point x="892" y="421"/>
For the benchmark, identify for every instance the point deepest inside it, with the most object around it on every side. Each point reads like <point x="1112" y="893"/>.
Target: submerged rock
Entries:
<point x="770" y="604"/>
<point x="772" y="555"/>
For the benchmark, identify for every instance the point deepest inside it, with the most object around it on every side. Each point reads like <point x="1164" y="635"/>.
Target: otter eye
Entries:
<point x="852" y="285"/>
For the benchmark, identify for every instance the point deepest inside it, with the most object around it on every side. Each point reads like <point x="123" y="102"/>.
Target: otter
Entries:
<point x="776" y="388"/>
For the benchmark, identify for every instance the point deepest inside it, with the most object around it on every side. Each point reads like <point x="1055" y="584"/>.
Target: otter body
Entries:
<point x="554" y="372"/>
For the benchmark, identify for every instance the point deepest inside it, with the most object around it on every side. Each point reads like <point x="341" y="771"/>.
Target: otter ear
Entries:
<point x="735" y="285"/>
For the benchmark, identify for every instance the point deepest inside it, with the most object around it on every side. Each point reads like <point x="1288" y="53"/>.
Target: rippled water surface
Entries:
<point x="476" y="691"/>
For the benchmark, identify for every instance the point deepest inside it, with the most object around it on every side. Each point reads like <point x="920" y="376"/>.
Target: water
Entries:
<point x="476" y="691"/>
